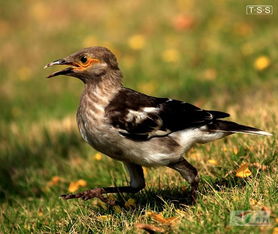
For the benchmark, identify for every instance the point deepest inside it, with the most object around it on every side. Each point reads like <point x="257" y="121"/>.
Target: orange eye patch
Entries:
<point x="84" y="64"/>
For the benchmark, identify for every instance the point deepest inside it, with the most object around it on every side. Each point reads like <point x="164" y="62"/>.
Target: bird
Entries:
<point x="137" y="129"/>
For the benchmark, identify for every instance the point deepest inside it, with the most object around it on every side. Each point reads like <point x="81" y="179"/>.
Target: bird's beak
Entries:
<point x="65" y="71"/>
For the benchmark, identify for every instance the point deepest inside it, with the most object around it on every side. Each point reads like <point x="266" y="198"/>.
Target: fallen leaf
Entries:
<point x="212" y="162"/>
<point x="224" y="148"/>
<point x="130" y="203"/>
<point x="117" y="209"/>
<point x="275" y="230"/>
<point x="111" y="197"/>
<point x="98" y="156"/>
<point x="55" y="180"/>
<point x="104" y="217"/>
<point x="195" y="155"/>
<point x="159" y="218"/>
<point x="102" y="204"/>
<point x="149" y="227"/>
<point x="253" y="202"/>
<point x="261" y="63"/>
<point x="73" y="187"/>
<point x="170" y="55"/>
<point x="235" y="150"/>
<point x="40" y="213"/>
<point x="136" y="42"/>
<point x="82" y="183"/>
<point x="243" y="171"/>
<point x="259" y="166"/>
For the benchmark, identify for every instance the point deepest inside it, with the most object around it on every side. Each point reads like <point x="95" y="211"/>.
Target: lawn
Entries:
<point x="209" y="53"/>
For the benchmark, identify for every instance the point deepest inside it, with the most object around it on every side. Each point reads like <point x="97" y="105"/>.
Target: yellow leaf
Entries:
<point x="73" y="187"/>
<point x="82" y="183"/>
<point x="224" y="148"/>
<point x="102" y="204"/>
<point x="253" y="202"/>
<point x="243" y="171"/>
<point x="98" y="156"/>
<point x="262" y="63"/>
<point x="104" y="217"/>
<point x="195" y="155"/>
<point x="40" y="213"/>
<point x="170" y="55"/>
<point x="117" y="209"/>
<point x="130" y="203"/>
<point x="212" y="162"/>
<point x="275" y="230"/>
<point x="136" y="42"/>
<point x="55" y="180"/>
<point x="235" y="150"/>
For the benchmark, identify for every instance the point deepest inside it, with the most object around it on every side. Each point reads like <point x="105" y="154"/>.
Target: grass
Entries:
<point x="210" y="63"/>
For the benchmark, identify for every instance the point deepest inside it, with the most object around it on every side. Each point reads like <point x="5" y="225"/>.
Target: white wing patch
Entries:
<point x="151" y="109"/>
<point x="136" y="116"/>
<point x="151" y="113"/>
<point x="139" y="116"/>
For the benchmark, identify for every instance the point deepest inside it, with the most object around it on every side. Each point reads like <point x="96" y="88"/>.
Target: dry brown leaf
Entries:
<point x="149" y="227"/>
<point x="243" y="171"/>
<point x="259" y="166"/>
<point x="159" y="218"/>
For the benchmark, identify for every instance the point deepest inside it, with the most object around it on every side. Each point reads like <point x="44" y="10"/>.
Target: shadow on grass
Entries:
<point x="155" y="199"/>
<point x="20" y="160"/>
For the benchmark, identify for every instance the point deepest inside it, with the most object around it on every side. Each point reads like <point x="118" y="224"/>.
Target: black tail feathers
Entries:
<point x="232" y="127"/>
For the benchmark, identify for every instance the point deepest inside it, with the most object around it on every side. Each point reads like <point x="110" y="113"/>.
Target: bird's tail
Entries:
<point x="232" y="127"/>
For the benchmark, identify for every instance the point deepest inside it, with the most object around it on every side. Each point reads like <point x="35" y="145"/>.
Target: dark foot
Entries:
<point x="190" y="173"/>
<point x="194" y="190"/>
<point x="89" y="194"/>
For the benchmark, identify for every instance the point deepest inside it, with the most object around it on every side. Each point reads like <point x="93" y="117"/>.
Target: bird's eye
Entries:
<point x="83" y="59"/>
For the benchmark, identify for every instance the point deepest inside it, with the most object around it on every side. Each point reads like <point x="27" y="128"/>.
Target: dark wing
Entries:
<point x="141" y="117"/>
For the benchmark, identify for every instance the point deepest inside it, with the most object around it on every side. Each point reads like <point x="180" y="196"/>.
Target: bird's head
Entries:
<point x="87" y="64"/>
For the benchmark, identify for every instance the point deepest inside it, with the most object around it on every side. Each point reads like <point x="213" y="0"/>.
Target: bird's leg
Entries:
<point x="137" y="182"/>
<point x="188" y="172"/>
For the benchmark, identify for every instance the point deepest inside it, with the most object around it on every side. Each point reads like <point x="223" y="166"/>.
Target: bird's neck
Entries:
<point x="104" y="88"/>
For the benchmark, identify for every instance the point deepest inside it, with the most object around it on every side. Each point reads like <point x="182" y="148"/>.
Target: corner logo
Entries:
<point x="259" y="10"/>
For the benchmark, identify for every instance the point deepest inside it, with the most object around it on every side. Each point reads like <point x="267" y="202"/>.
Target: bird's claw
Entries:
<point x="89" y="194"/>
